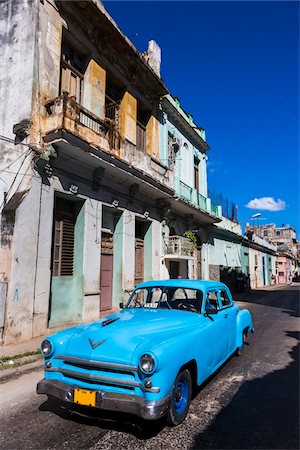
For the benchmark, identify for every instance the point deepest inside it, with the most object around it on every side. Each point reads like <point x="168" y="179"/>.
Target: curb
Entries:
<point x="8" y="374"/>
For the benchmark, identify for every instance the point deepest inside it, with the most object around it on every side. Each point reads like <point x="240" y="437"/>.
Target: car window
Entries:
<point x="179" y="294"/>
<point x="211" y="300"/>
<point x="166" y="298"/>
<point x="225" y="300"/>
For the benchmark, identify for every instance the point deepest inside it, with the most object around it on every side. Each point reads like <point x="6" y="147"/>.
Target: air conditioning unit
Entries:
<point x="176" y="143"/>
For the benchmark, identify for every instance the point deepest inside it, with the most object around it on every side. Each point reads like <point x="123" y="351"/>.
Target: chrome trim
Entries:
<point x="91" y="377"/>
<point x="98" y="364"/>
<point x="125" y="403"/>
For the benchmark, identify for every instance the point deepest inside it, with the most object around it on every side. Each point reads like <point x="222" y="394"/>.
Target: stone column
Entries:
<point x="91" y="260"/>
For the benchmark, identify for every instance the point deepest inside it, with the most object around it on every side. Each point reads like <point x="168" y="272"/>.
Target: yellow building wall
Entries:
<point x="128" y="117"/>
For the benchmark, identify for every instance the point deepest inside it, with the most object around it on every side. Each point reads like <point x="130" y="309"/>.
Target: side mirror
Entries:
<point x="210" y="311"/>
<point x="121" y="305"/>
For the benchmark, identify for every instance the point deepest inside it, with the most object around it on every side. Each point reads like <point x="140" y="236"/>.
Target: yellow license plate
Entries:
<point x="85" y="397"/>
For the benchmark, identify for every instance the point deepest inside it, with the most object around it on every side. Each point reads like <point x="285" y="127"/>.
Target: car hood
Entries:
<point x="129" y="328"/>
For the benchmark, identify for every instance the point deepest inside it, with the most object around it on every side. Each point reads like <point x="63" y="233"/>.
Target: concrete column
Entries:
<point x="203" y="176"/>
<point x="128" y="250"/>
<point x="205" y="261"/>
<point x="43" y="268"/>
<point x="148" y="253"/>
<point x="91" y="260"/>
<point x="153" y="137"/>
<point x="156" y="249"/>
<point x="128" y="117"/>
<point x="191" y="269"/>
<point x="94" y="89"/>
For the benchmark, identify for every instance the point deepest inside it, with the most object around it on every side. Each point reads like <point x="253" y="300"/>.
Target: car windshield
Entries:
<point x="166" y="297"/>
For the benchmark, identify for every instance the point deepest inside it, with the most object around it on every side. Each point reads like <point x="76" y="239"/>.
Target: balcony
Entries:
<point x="64" y="113"/>
<point x="191" y="195"/>
<point x="178" y="246"/>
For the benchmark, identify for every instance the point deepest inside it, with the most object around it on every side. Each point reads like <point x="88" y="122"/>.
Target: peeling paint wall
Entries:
<point x="20" y="295"/>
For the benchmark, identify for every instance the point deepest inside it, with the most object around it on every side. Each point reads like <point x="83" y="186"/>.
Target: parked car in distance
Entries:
<point x="145" y="359"/>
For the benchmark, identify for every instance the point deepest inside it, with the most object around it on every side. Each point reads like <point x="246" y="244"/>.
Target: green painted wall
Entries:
<point x="117" y="263"/>
<point x="245" y="260"/>
<point x="67" y="291"/>
<point x="148" y="254"/>
<point x="269" y="269"/>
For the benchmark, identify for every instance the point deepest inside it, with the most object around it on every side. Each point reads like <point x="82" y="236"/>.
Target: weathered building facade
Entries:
<point x="90" y="205"/>
<point x="103" y="180"/>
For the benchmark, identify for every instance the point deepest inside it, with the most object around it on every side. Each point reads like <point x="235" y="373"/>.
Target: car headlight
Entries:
<point x="147" y="363"/>
<point x="46" y="347"/>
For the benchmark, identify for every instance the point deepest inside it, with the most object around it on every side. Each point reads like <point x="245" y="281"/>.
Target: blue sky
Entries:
<point x="235" y="67"/>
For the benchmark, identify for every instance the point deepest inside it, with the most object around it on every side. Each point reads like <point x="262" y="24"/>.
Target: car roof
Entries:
<point x="186" y="283"/>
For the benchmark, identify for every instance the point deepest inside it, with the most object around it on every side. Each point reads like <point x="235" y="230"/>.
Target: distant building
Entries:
<point x="284" y="238"/>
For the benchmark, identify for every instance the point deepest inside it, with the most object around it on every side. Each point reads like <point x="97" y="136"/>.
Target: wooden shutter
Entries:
<point x="63" y="241"/>
<point x="67" y="253"/>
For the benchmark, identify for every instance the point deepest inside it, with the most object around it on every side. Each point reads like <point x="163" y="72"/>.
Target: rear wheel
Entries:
<point x="180" y="398"/>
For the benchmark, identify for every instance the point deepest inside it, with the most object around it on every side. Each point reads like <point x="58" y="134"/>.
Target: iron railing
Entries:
<point x="178" y="245"/>
<point x="112" y="110"/>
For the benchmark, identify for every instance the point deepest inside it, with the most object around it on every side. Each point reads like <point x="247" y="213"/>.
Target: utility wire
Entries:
<point x="261" y="150"/>
<point x="12" y="162"/>
<point x="15" y="177"/>
<point x="249" y="130"/>
<point x="12" y="141"/>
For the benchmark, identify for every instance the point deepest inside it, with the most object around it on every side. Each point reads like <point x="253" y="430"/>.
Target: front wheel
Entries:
<point x="180" y="398"/>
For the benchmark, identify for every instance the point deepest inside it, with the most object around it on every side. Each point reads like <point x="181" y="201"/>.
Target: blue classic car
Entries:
<point x="146" y="359"/>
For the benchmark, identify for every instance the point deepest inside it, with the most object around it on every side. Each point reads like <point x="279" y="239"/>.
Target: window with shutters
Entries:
<point x="73" y="64"/>
<point x="63" y="239"/>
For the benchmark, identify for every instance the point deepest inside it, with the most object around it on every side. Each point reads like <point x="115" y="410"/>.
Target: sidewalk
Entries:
<point x="17" y="359"/>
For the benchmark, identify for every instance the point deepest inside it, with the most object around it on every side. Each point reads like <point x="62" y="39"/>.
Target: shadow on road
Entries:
<point x="105" y="419"/>
<point x="286" y="299"/>
<point x="263" y="414"/>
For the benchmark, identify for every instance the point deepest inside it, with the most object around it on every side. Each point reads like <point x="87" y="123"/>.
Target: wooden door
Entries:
<point x="139" y="261"/>
<point x="174" y="269"/>
<point x="106" y="272"/>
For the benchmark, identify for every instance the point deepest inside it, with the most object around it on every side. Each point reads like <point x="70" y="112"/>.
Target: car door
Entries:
<point x="230" y="312"/>
<point x="218" y="328"/>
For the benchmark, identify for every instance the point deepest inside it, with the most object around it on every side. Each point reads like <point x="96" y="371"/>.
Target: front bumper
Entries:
<point x="110" y="401"/>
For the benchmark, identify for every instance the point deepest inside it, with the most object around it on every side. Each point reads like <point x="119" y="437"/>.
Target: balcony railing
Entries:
<point x="178" y="246"/>
<point x="112" y="109"/>
<point x="201" y="200"/>
<point x="67" y="108"/>
<point x="65" y="113"/>
<point x="190" y="194"/>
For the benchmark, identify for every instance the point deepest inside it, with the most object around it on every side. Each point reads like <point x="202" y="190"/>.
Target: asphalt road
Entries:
<point x="251" y="403"/>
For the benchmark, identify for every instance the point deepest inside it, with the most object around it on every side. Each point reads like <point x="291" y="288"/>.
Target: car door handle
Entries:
<point x="226" y="315"/>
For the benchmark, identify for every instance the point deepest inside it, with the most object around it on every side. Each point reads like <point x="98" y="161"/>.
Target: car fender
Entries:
<point x="176" y="353"/>
<point x="244" y="322"/>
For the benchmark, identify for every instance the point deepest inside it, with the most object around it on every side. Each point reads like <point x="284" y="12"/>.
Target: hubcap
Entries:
<point x="181" y="394"/>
